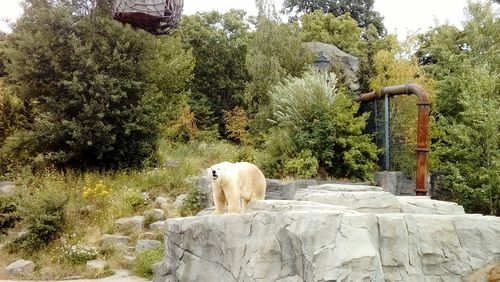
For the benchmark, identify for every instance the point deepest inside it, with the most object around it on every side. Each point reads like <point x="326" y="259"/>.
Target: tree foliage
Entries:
<point x="98" y="92"/>
<point x="360" y="10"/>
<point x="341" y="31"/>
<point x="219" y="45"/>
<point x="275" y="52"/>
<point x="318" y="118"/>
<point x="467" y="64"/>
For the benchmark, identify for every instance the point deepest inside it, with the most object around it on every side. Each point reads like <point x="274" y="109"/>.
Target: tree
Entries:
<point x="275" y="51"/>
<point x="468" y="148"/>
<point x="341" y="31"/>
<point x="98" y="91"/>
<point x="219" y="45"/>
<point x="360" y="10"/>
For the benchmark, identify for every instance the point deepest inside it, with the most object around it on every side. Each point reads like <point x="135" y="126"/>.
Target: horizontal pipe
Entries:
<point x="423" y="105"/>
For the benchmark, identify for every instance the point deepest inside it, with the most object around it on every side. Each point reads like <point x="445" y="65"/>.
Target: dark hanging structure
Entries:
<point x="155" y="16"/>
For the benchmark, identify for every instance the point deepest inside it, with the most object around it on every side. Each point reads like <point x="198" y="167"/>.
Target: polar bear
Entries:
<point x="236" y="184"/>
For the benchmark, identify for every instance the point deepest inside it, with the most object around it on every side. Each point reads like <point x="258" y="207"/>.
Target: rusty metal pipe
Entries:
<point x="424" y="106"/>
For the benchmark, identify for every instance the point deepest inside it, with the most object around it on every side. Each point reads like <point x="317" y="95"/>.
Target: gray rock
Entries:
<point x="179" y="201"/>
<point x="134" y="223"/>
<point x="347" y="64"/>
<point x="143" y="245"/>
<point x="160" y="200"/>
<point x="155" y="214"/>
<point x="309" y="241"/>
<point x="424" y="205"/>
<point x="204" y="188"/>
<point x="20" y="267"/>
<point x="98" y="266"/>
<point x="114" y="241"/>
<point x="369" y="201"/>
<point x="7" y="188"/>
<point x="158" y="226"/>
<point x="344" y="187"/>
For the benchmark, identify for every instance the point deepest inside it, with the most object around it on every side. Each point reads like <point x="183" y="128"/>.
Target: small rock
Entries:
<point x="158" y="226"/>
<point x="179" y="201"/>
<point x="7" y="188"/>
<point x="116" y="241"/>
<point x="129" y="259"/>
<point x="160" y="200"/>
<point x="97" y="265"/>
<point x="143" y="245"/>
<point x="21" y="267"/>
<point x="155" y="214"/>
<point x="145" y="196"/>
<point x="135" y="223"/>
<point x="171" y="164"/>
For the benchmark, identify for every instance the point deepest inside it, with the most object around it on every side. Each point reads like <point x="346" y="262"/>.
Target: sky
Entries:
<point x="400" y="16"/>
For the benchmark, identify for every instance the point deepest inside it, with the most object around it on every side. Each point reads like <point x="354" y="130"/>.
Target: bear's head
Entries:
<point x="217" y="170"/>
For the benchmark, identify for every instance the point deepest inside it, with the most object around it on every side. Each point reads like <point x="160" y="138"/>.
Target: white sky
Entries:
<point x="400" y="16"/>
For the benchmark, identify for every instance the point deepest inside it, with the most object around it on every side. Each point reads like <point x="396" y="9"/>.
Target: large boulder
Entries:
<point x="339" y="60"/>
<point x="321" y="240"/>
<point x="20" y="267"/>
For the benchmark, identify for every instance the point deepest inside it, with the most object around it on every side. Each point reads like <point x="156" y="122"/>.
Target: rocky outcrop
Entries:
<point x="347" y="64"/>
<point x="370" y="235"/>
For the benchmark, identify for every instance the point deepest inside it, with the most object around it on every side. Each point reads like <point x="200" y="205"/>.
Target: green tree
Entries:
<point x="98" y="91"/>
<point x="219" y="45"/>
<point x="361" y="10"/>
<point x="317" y="118"/>
<point x="341" y="31"/>
<point x="275" y="51"/>
<point x="468" y="148"/>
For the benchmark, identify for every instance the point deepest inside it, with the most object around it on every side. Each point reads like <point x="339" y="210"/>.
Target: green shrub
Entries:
<point x="304" y="165"/>
<point x="191" y="204"/>
<point x="45" y="217"/>
<point x="145" y="261"/>
<point x="9" y="214"/>
<point x="313" y="116"/>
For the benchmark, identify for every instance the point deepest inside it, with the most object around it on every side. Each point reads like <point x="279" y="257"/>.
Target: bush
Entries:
<point x="9" y="214"/>
<point x="302" y="166"/>
<point x="314" y="116"/>
<point x="191" y="204"/>
<point x="45" y="218"/>
<point x="145" y="261"/>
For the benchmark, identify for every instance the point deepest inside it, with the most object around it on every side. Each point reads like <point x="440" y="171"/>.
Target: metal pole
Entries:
<point x="386" y="133"/>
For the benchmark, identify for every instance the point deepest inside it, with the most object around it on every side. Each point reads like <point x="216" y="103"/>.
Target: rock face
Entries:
<point x="369" y="236"/>
<point x="339" y="60"/>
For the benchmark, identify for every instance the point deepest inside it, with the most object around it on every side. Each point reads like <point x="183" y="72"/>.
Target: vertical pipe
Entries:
<point x="386" y="133"/>
<point x="423" y="105"/>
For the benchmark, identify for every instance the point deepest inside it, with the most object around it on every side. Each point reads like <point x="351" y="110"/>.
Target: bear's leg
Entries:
<point x="244" y="204"/>
<point x="233" y="199"/>
<point x="219" y="200"/>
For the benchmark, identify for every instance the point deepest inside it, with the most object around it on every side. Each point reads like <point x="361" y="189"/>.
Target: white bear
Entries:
<point x="236" y="184"/>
